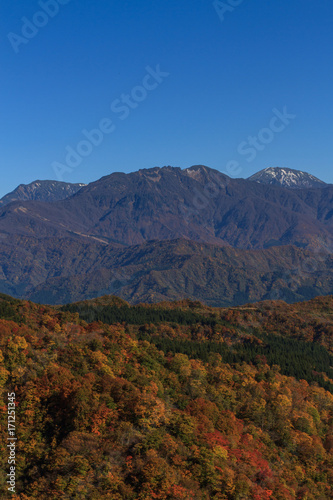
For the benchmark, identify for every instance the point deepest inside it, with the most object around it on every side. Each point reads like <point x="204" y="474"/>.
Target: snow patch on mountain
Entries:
<point x="287" y="177"/>
<point x="42" y="191"/>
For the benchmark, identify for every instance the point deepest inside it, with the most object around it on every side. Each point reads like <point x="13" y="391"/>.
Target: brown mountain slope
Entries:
<point x="163" y="270"/>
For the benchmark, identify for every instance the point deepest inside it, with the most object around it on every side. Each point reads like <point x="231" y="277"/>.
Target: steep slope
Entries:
<point x="287" y="177"/>
<point x="41" y="191"/>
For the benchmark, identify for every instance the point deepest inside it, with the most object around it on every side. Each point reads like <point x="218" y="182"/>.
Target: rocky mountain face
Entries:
<point x="42" y="191"/>
<point x="287" y="177"/>
<point x="167" y="233"/>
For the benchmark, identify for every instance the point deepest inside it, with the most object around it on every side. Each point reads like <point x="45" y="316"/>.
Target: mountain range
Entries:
<point x="167" y="233"/>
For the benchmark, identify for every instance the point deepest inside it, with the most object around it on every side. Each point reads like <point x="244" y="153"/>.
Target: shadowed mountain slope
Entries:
<point x="167" y="233"/>
<point x="197" y="203"/>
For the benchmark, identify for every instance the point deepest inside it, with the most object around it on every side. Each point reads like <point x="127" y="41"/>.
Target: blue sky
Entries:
<point x="188" y="82"/>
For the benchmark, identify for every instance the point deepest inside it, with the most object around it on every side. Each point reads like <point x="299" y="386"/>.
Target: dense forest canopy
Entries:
<point x="171" y="401"/>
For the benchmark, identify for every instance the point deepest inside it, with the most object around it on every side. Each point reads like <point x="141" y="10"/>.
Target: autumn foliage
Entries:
<point x="104" y="413"/>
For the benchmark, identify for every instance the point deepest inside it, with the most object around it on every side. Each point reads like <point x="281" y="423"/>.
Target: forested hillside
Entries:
<point x="172" y="401"/>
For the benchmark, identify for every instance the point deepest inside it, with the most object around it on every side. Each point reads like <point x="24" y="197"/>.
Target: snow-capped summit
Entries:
<point x="287" y="177"/>
<point x="41" y="191"/>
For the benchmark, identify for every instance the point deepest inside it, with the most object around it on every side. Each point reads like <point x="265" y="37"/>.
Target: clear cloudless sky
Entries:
<point x="225" y="78"/>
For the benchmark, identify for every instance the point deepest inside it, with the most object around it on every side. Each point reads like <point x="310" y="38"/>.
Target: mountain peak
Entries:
<point x="287" y="177"/>
<point x="41" y="191"/>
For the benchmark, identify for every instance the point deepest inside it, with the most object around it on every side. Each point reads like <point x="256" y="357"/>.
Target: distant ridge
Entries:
<point x="287" y="177"/>
<point x="41" y="191"/>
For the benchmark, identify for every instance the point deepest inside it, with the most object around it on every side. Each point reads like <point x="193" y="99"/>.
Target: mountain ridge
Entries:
<point x="170" y="203"/>
<point x="41" y="190"/>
